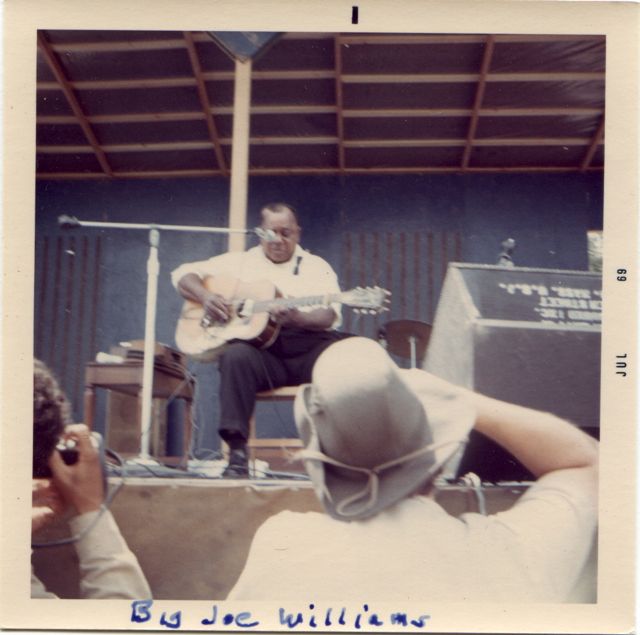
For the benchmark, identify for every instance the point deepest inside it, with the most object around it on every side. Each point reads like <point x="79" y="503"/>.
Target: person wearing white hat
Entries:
<point x="375" y="437"/>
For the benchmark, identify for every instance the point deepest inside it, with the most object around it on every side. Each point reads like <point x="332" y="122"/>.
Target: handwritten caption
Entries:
<point x="310" y="617"/>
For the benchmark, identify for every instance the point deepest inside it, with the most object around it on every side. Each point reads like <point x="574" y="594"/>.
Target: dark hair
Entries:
<point x="51" y="413"/>
<point x="279" y="207"/>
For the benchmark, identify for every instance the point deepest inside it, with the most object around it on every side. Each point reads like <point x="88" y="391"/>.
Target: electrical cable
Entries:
<point x="473" y="482"/>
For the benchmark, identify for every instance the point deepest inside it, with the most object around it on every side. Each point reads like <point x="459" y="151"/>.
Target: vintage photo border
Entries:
<point x="614" y="610"/>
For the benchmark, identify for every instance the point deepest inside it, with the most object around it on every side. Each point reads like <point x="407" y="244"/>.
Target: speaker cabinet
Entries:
<point x="527" y="336"/>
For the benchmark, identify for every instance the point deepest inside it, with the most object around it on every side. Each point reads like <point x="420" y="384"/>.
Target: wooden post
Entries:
<point x="240" y="154"/>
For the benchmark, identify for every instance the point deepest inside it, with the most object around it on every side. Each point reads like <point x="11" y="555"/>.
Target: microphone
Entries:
<point x="505" y="258"/>
<point x="267" y="235"/>
<point x="68" y="222"/>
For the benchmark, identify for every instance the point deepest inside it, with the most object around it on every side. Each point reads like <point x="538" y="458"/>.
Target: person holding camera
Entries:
<point x="107" y="567"/>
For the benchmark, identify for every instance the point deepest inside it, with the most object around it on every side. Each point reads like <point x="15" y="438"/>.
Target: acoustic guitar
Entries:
<point x="203" y="338"/>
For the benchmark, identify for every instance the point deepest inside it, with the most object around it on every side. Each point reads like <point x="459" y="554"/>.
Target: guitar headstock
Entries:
<point x="367" y="299"/>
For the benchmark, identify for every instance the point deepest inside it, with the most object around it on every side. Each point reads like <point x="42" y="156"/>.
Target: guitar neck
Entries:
<point x="264" y="305"/>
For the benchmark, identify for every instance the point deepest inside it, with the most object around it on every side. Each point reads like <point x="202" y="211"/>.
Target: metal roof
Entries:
<point x="132" y="104"/>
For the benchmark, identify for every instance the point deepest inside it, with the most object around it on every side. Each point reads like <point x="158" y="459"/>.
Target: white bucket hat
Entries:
<point x="373" y="433"/>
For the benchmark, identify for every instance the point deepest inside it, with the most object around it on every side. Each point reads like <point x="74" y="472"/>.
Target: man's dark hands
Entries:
<point x="285" y="315"/>
<point x="216" y="307"/>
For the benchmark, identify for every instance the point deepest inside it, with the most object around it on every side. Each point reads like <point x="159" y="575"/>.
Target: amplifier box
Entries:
<point x="527" y="336"/>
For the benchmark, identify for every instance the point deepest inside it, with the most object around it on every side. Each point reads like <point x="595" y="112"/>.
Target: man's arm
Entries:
<point x="108" y="568"/>
<point x="190" y="287"/>
<point x="542" y="442"/>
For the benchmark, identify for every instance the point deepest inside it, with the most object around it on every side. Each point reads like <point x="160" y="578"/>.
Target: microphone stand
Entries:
<point x="153" y="270"/>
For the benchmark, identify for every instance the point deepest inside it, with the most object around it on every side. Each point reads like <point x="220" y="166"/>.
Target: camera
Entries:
<point x="69" y="452"/>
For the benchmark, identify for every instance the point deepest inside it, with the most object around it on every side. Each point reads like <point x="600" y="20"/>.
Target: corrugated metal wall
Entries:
<point x="411" y="265"/>
<point x="67" y="305"/>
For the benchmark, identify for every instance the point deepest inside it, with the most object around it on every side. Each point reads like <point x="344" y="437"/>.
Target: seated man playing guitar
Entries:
<point x="293" y="338"/>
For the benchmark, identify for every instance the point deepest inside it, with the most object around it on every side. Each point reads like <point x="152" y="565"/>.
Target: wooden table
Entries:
<point x="127" y="378"/>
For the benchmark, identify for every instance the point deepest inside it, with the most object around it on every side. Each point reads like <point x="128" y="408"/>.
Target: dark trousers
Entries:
<point x="246" y="370"/>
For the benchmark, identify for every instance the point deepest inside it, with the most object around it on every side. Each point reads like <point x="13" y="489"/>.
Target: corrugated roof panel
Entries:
<point x="291" y="91"/>
<point x="52" y="102"/>
<point x="531" y="156"/>
<point x="403" y="157"/>
<point x="405" y="127"/>
<point x="139" y="100"/>
<point x="411" y="58"/>
<point x="293" y="124"/>
<point x="564" y="94"/>
<point x="81" y="162"/>
<point x="60" y="134"/>
<point x="553" y="57"/>
<point x="166" y="160"/>
<point x="91" y="65"/>
<point x="307" y="54"/>
<point x="527" y="127"/>
<point x="43" y="71"/>
<point x="213" y="58"/>
<point x="299" y="156"/>
<point x="399" y="95"/>
<point x="150" y="132"/>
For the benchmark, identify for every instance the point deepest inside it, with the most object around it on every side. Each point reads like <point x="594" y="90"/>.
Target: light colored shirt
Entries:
<point x="303" y="275"/>
<point x="108" y="569"/>
<point x="416" y="551"/>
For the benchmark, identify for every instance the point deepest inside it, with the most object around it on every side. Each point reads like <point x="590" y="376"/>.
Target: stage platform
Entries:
<point x="192" y="535"/>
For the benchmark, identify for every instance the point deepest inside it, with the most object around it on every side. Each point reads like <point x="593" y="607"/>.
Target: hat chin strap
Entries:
<point x="370" y="491"/>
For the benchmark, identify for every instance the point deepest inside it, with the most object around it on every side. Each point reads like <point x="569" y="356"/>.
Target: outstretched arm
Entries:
<point x="541" y="441"/>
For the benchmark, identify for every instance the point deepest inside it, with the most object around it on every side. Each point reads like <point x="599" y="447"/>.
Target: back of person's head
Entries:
<point x="51" y="413"/>
<point x="373" y="434"/>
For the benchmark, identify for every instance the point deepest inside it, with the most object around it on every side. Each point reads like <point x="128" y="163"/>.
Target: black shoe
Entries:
<point x="238" y="466"/>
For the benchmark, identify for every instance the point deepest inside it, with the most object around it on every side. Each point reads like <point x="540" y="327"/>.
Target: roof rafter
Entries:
<point x="595" y="142"/>
<point x="473" y="124"/>
<point x="350" y="78"/>
<point x="167" y="146"/>
<point x="304" y="109"/>
<point x="71" y="98"/>
<point x="170" y="174"/>
<point x="214" y="137"/>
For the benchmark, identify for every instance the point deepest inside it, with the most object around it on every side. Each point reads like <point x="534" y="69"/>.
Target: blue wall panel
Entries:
<point x="548" y="216"/>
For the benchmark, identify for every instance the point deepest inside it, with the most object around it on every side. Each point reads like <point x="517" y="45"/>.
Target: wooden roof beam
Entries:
<point x="322" y="109"/>
<point x="214" y="137"/>
<point x="475" y="115"/>
<point x="444" y="38"/>
<point x="172" y="146"/>
<point x="170" y="174"/>
<point x="593" y="146"/>
<point x="71" y="98"/>
<point x="459" y="78"/>
<point x="392" y="39"/>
